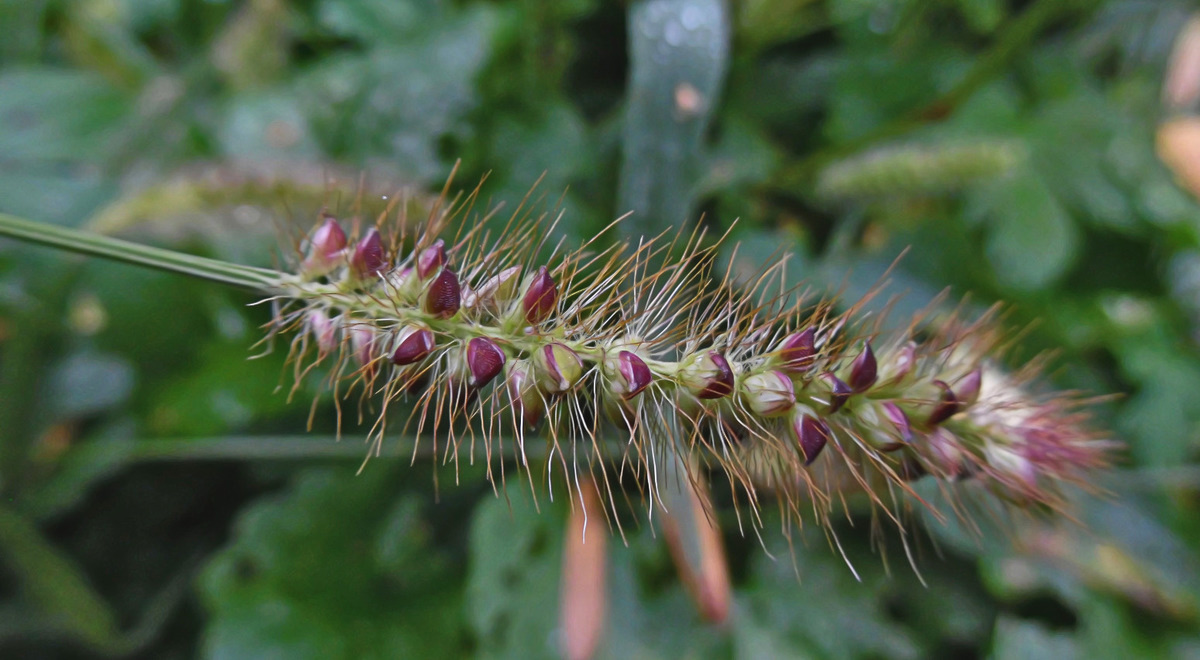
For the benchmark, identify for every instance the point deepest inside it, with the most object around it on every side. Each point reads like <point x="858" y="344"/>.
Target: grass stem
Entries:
<point x="95" y="245"/>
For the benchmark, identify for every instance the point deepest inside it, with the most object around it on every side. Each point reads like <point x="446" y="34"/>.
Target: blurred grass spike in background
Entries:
<point x="917" y="169"/>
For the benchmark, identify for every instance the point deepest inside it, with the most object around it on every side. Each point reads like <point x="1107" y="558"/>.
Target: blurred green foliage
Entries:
<point x="1009" y="145"/>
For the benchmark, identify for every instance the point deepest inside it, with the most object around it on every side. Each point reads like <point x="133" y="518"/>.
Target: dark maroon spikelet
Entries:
<point x="369" y="260"/>
<point x="431" y="258"/>
<point x="839" y="392"/>
<point x="485" y="360"/>
<point x="864" y="370"/>
<point x="797" y="352"/>
<point x="444" y="295"/>
<point x="966" y="390"/>
<point x="812" y="434"/>
<point x="540" y="298"/>
<point x="415" y="344"/>
<point x="634" y="373"/>
<point x="947" y="406"/>
<point x="325" y="249"/>
<point x="897" y="417"/>
<point x="708" y="375"/>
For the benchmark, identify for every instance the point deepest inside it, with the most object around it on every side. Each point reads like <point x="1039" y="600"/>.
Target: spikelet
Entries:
<point x="607" y="363"/>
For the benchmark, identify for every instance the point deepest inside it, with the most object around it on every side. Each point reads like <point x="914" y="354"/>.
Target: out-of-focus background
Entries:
<point x="161" y="498"/>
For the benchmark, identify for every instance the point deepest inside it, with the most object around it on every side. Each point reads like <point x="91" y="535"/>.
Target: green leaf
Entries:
<point x="56" y="584"/>
<point x="1159" y="419"/>
<point x="837" y="616"/>
<point x="1031" y="240"/>
<point x="512" y="584"/>
<point x="52" y="195"/>
<point x="679" y="52"/>
<point x="382" y="21"/>
<point x="1024" y="640"/>
<point x="513" y="588"/>
<point x="267" y="124"/>
<point x="742" y="156"/>
<point x="23" y="20"/>
<point x="401" y="101"/>
<point x="339" y="566"/>
<point x="982" y="15"/>
<point x="222" y="393"/>
<point x="551" y="145"/>
<point x="873" y="87"/>
<point x="100" y="455"/>
<point x="650" y="622"/>
<point x="58" y="114"/>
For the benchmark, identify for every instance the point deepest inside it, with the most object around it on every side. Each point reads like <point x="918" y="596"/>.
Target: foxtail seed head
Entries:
<point x="712" y="372"/>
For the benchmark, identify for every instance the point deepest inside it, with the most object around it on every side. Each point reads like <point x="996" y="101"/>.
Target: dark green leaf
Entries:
<point x="339" y="566"/>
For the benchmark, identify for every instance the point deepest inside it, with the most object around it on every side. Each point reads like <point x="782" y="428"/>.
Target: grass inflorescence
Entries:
<point x="620" y="361"/>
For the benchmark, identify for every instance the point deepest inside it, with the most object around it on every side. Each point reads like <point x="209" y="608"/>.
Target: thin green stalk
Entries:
<point x="95" y="245"/>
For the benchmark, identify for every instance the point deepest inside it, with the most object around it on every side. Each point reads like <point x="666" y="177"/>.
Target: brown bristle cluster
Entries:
<point x="612" y="360"/>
